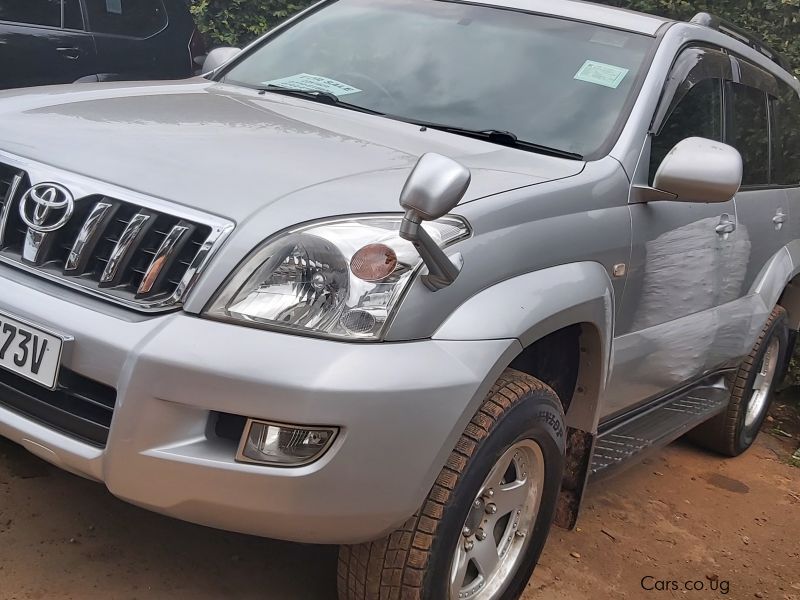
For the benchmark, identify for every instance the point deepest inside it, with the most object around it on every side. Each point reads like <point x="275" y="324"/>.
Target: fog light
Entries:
<point x="283" y="445"/>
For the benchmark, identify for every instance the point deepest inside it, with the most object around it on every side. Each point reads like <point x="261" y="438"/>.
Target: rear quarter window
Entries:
<point x="132" y="18"/>
<point x="786" y="137"/>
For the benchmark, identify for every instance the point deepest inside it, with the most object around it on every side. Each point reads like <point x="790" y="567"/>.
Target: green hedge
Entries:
<point x="776" y="21"/>
<point x="237" y="22"/>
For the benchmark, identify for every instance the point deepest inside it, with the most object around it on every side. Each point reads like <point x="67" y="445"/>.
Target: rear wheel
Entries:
<point x="482" y="527"/>
<point x="753" y="385"/>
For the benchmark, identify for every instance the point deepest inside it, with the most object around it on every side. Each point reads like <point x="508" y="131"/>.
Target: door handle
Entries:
<point x="726" y="226"/>
<point x="779" y="219"/>
<point x="71" y="53"/>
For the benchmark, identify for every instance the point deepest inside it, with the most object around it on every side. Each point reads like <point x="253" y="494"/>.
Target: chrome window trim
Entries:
<point x="82" y="186"/>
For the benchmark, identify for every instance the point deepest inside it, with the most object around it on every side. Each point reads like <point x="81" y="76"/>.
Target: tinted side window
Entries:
<point x="786" y="138"/>
<point x="135" y="18"/>
<point x="73" y="19"/>
<point x="750" y="132"/>
<point x="33" y="12"/>
<point x="698" y="114"/>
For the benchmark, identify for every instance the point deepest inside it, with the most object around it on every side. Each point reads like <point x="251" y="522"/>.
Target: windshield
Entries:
<point x="548" y="81"/>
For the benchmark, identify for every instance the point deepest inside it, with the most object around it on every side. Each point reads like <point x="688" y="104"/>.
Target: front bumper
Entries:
<point x="400" y="407"/>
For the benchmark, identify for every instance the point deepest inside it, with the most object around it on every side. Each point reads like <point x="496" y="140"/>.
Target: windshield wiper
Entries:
<point x="503" y="138"/>
<point x="318" y="96"/>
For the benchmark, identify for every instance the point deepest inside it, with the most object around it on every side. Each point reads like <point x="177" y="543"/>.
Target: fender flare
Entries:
<point x="531" y="306"/>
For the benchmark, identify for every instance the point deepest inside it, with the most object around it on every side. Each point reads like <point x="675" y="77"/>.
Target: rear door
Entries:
<point x="43" y="42"/>
<point x="786" y="153"/>
<point x="128" y="35"/>
<point x="762" y="204"/>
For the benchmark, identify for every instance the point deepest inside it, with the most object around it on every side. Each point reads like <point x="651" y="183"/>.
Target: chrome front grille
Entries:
<point x="140" y="256"/>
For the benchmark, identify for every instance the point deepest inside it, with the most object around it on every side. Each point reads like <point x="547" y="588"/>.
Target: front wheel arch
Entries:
<point x="414" y="561"/>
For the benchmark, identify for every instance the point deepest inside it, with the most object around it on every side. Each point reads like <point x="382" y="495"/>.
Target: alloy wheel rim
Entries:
<point x="497" y="531"/>
<point x="762" y="385"/>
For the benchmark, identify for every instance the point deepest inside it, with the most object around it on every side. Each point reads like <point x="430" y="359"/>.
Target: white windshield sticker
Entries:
<point x="601" y="74"/>
<point x="114" y="7"/>
<point x="314" y="83"/>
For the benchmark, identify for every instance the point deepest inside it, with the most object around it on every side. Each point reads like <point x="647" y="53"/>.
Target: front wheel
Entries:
<point x="483" y="525"/>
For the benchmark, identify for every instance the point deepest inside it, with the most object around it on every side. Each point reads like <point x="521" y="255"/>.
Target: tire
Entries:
<point x="732" y="432"/>
<point x="520" y="417"/>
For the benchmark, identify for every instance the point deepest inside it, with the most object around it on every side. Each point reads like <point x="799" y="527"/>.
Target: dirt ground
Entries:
<point x="731" y="527"/>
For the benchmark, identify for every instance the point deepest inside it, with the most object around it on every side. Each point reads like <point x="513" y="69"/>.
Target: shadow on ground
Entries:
<point x="65" y="537"/>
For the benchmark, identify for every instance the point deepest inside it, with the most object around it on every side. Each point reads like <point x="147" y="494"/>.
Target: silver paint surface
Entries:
<point x="548" y="233"/>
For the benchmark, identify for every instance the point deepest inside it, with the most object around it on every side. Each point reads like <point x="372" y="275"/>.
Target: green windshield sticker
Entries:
<point x="314" y="83"/>
<point x="601" y="74"/>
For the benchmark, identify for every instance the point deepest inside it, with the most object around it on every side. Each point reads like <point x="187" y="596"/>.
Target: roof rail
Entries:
<point x="749" y="39"/>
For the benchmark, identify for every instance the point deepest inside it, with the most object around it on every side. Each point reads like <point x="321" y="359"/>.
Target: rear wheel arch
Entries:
<point x="778" y="283"/>
<point x="790" y="301"/>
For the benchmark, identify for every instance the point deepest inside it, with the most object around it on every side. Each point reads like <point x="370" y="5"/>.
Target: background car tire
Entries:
<point x="730" y="433"/>
<point x="415" y="561"/>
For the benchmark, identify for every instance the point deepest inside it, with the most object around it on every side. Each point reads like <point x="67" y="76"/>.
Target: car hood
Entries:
<point x="231" y="151"/>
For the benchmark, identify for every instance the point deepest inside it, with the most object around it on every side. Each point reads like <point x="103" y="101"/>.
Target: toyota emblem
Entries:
<point x="46" y="207"/>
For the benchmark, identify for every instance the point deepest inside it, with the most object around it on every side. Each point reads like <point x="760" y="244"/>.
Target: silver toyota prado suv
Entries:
<point x="403" y="276"/>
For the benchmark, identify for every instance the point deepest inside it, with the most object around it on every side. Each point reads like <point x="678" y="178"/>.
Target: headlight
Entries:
<point x="339" y="279"/>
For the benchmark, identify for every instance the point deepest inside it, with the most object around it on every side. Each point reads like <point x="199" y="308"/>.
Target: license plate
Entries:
<point x="30" y="352"/>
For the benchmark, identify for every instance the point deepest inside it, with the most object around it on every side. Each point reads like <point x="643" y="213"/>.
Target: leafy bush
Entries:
<point x="776" y="21"/>
<point x="238" y="22"/>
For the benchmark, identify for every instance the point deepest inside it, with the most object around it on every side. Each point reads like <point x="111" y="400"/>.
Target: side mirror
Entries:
<point x="218" y="57"/>
<point x="700" y="170"/>
<point x="435" y="187"/>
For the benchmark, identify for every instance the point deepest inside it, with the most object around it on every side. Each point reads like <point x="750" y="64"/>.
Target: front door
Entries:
<point x="42" y="42"/>
<point x="685" y="266"/>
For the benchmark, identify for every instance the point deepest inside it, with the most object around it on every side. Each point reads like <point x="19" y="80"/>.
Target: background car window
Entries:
<point x="72" y="14"/>
<point x="134" y="18"/>
<point x="699" y="114"/>
<point x="786" y="138"/>
<point x="750" y="132"/>
<point x="33" y="12"/>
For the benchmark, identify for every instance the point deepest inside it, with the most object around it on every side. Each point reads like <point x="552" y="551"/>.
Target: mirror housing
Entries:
<point x="435" y="187"/>
<point x="218" y="57"/>
<point x="699" y="170"/>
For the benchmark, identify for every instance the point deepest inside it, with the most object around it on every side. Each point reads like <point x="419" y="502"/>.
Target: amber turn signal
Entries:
<point x="374" y="262"/>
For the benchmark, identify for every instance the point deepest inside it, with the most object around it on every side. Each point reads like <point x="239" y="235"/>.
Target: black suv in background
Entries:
<point x="62" y="41"/>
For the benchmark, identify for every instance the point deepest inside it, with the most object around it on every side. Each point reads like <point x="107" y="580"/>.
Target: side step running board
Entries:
<point x="628" y="442"/>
